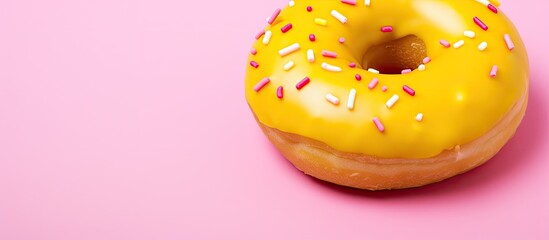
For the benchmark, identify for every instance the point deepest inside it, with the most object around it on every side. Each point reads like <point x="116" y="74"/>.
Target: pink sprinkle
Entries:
<point x="302" y="83"/>
<point x="261" y="84"/>
<point x="444" y="43"/>
<point x="409" y="90"/>
<point x="387" y="29"/>
<point x="286" y="28"/>
<point x="259" y="34"/>
<point x="312" y="37"/>
<point x="274" y="16"/>
<point x="350" y="2"/>
<point x="492" y="8"/>
<point x="426" y="60"/>
<point x="384" y="89"/>
<point x="254" y="64"/>
<point x="406" y="71"/>
<point x="309" y="8"/>
<point x="341" y="40"/>
<point x="494" y="71"/>
<point x="352" y="65"/>
<point x="358" y="77"/>
<point x="373" y="83"/>
<point x="480" y="23"/>
<point x="329" y="54"/>
<point x="280" y="92"/>
<point x="253" y="51"/>
<point x="508" y="42"/>
<point x="378" y="124"/>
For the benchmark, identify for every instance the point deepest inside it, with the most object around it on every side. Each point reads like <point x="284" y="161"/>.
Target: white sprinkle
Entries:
<point x="482" y="46"/>
<point x="483" y="2"/>
<point x="330" y="68"/>
<point x="367" y="2"/>
<point x="289" y="65"/>
<point x="469" y="34"/>
<point x="339" y="16"/>
<point x="351" y="99"/>
<point x="391" y="101"/>
<point x="289" y="49"/>
<point x="310" y="55"/>
<point x="332" y="99"/>
<point x="291" y="3"/>
<point x="419" y="117"/>
<point x="459" y="43"/>
<point x="267" y="37"/>
<point x="421" y="67"/>
<point x="373" y="70"/>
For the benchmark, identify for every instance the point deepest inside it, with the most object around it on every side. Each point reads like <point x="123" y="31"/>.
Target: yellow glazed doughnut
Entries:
<point x="387" y="94"/>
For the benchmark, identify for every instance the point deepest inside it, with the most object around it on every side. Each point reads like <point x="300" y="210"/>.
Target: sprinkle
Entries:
<point x="350" y="2"/>
<point x="332" y="99"/>
<point x="321" y="22"/>
<point x="367" y="2"/>
<point x="310" y="55"/>
<point x="261" y="84"/>
<point x="339" y="16"/>
<point x="329" y="54"/>
<point x="274" y="16"/>
<point x="358" y="77"/>
<point x="302" y="83"/>
<point x="378" y="124"/>
<point x="492" y="8"/>
<point x="259" y="34"/>
<point x="406" y="71"/>
<point x="291" y="3"/>
<point x="482" y="46"/>
<point x="253" y="51"/>
<point x="330" y="68"/>
<point x="352" y="65"/>
<point x="480" y="23"/>
<point x="289" y="65"/>
<point x="426" y="60"/>
<point x="373" y="83"/>
<point x="459" y="43"/>
<point x="409" y="90"/>
<point x="342" y="40"/>
<point x="312" y="37"/>
<point x="351" y="99"/>
<point x="469" y="34"/>
<point x="267" y="37"/>
<point x="289" y="49"/>
<point x="386" y="29"/>
<point x="280" y="92"/>
<point x="494" y="71"/>
<point x="384" y="89"/>
<point x="483" y="2"/>
<point x="391" y="101"/>
<point x="421" y="67"/>
<point x="309" y="8"/>
<point x="419" y="117"/>
<point x="373" y="71"/>
<point x="508" y="42"/>
<point x="254" y="64"/>
<point x="286" y="28"/>
<point x="444" y="43"/>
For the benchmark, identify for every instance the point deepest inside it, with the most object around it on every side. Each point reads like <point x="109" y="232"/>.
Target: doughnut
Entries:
<point x="387" y="94"/>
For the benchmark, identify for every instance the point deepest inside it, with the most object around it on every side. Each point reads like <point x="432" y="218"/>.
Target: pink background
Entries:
<point x="127" y="120"/>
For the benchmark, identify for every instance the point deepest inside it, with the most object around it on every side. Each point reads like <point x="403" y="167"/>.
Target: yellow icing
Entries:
<point x="458" y="99"/>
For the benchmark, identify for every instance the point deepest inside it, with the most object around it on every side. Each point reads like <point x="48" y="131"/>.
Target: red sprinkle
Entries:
<point x="409" y="90"/>
<point x="350" y="2"/>
<point x="286" y="28"/>
<point x="309" y="8"/>
<point x="444" y="43"/>
<point x="480" y="23"/>
<point x="387" y="29"/>
<point x="302" y="83"/>
<point x="254" y="64"/>
<point x="261" y="84"/>
<point x="312" y="37"/>
<point x="280" y="92"/>
<point x="352" y="65"/>
<point x="341" y="40"/>
<point x="253" y="51"/>
<point x="329" y="54"/>
<point x="358" y="77"/>
<point x="492" y="8"/>
<point x="259" y="34"/>
<point x="274" y="16"/>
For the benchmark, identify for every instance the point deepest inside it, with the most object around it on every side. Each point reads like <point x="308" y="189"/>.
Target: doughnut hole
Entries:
<point x="396" y="55"/>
